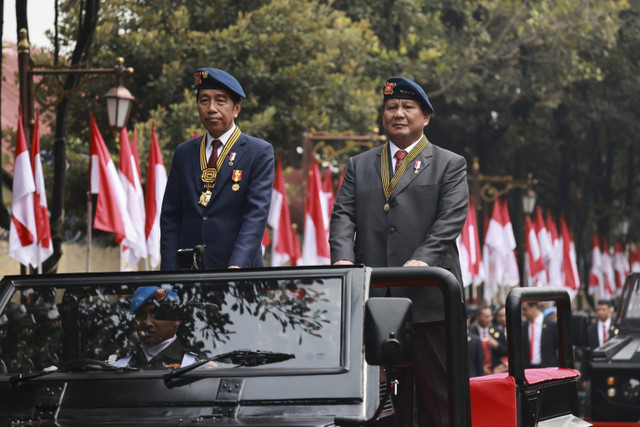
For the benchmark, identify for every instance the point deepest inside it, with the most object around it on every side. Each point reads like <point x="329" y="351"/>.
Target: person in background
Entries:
<point x="540" y="338"/>
<point x="494" y="343"/>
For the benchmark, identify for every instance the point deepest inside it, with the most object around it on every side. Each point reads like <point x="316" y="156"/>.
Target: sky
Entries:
<point x="40" y="15"/>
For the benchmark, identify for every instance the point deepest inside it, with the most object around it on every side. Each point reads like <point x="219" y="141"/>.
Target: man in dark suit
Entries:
<point x="404" y="204"/>
<point x="540" y="337"/>
<point x="494" y="343"/>
<point x="598" y="333"/>
<point x="219" y="188"/>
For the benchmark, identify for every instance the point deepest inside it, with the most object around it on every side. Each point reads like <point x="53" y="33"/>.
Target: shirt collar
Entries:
<point x="152" y="351"/>
<point x="223" y="138"/>
<point x="395" y="148"/>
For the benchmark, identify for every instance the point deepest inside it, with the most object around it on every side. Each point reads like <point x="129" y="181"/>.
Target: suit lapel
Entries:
<point x="410" y="174"/>
<point x="194" y="165"/>
<point x="225" y="170"/>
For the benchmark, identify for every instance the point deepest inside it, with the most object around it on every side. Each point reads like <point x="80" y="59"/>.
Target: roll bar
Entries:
<point x="514" y="326"/>
<point x="455" y="328"/>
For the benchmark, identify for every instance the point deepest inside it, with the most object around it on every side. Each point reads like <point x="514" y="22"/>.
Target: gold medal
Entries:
<point x="386" y="207"/>
<point x="235" y="187"/>
<point x="205" y="197"/>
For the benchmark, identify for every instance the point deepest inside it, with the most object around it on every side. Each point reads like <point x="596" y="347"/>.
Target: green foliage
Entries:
<point x="546" y="87"/>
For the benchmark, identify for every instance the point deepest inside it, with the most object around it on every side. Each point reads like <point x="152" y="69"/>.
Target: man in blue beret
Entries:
<point x="219" y="188"/>
<point x="158" y="315"/>
<point x="404" y="204"/>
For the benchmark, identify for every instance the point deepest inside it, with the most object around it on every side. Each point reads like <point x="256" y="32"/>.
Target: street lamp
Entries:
<point x="623" y="227"/>
<point x="529" y="201"/>
<point x="119" y="101"/>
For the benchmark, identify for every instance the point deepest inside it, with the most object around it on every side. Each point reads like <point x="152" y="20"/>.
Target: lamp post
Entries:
<point x="529" y="199"/>
<point x="119" y="101"/>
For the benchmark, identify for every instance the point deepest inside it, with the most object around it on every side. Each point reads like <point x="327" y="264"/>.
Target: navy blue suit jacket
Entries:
<point x="231" y="226"/>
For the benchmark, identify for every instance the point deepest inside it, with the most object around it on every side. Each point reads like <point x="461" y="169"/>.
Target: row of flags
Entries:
<point x="121" y="206"/>
<point x="29" y="232"/>
<point x="550" y="257"/>
<point x="609" y="268"/>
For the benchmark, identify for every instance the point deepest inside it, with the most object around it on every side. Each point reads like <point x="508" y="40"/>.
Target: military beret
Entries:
<point x="548" y="311"/>
<point x="212" y="78"/>
<point x="403" y="88"/>
<point x="148" y="294"/>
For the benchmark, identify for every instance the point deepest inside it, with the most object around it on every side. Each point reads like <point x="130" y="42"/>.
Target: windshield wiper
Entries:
<point x="77" y="365"/>
<point x="237" y="358"/>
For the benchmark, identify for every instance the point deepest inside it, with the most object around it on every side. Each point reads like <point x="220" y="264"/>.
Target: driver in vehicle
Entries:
<point x="158" y="315"/>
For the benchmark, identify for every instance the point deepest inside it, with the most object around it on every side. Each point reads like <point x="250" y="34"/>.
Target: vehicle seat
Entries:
<point x="493" y="397"/>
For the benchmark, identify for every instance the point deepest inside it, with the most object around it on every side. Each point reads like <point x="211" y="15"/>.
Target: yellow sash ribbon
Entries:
<point x="388" y="185"/>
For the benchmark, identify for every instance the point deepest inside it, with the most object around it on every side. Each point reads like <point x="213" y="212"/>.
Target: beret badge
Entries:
<point x="199" y="75"/>
<point x="388" y="88"/>
<point x="161" y="294"/>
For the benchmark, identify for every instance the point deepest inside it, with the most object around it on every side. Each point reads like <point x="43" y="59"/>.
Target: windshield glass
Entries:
<point x="169" y="325"/>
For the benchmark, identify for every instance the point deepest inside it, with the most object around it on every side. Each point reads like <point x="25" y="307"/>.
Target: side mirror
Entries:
<point x="388" y="332"/>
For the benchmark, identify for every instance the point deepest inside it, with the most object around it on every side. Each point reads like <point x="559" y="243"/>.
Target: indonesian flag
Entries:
<point x="156" y="183"/>
<point x="285" y="248"/>
<point x="131" y="254"/>
<point x="469" y="249"/>
<point x="111" y="208"/>
<point x="23" y="232"/>
<point x="40" y="198"/>
<point x="544" y="241"/>
<point x="608" y="273"/>
<point x="554" y="264"/>
<point x="620" y="267"/>
<point x="569" y="263"/>
<point x="596" y="279"/>
<point x="512" y="273"/>
<point x="329" y="196"/>
<point x="536" y="273"/>
<point x="315" y="247"/>
<point x="135" y="152"/>
<point x="266" y="240"/>
<point x="634" y="258"/>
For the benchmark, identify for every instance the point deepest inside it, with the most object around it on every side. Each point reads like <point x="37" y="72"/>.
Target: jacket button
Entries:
<point x="204" y="245"/>
<point x="204" y="218"/>
<point x="392" y="229"/>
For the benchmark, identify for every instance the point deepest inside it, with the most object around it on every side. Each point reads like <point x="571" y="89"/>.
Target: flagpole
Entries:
<point x="89" y="209"/>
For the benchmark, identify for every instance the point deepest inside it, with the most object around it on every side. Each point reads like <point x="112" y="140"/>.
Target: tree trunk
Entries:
<point x="86" y="30"/>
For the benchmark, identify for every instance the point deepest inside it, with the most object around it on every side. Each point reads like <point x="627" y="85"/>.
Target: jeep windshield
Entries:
<point x="47" y="325"/>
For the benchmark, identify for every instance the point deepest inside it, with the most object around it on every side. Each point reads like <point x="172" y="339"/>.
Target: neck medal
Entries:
<point x="389" y="184"/>
<point x="209" y="175"/>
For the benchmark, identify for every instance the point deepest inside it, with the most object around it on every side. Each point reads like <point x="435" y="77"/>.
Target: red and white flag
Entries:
<point x="620" y="267"/>
<point x="512" y="273"/>
<point x="544" y="239"/>
<point x="23" y="233"/>
<point x="45" y="246"/>
<point x="596" y="279"/>
<point x="554" y="264"/>
<point x="634" y="258"/>
<point x="608" y="275"/>
<point x="131" y="254"/>
<point x="315" y="246"/>
<point x="329" y="196"/>
<point x="156" y="183"/>
<point x="536" y="273"/>
<point x="469" y="249"/>
<point x="111" y="208"/>
<point x="266" y="240"/>
<point x="571" y="277"/>
<point x="285" y="247"/>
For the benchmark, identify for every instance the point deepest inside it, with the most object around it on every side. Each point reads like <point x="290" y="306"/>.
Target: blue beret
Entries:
<point x="403" y="88"/>
<point x="548" y="311"/>
<point x="212" y="78"/>
<point x="144" y="295"/>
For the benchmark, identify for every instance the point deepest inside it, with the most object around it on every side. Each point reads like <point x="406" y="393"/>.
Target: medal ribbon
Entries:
<point x="389" y="185"/>
<point x="225" y="151"/>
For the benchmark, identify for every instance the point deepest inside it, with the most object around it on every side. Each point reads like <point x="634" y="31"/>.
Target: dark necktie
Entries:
<point x="213" y="158"/>
<point x="400" y="154"/>
<point x="604" y="334"/>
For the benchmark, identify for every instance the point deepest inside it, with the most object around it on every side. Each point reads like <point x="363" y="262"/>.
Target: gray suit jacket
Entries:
<point x="427" y="212"/>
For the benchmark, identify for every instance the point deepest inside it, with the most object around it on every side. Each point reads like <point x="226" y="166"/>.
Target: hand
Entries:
<point x="415" y="263"/>
<point x="233" y="266"/>
<point x="343" y="262"/>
